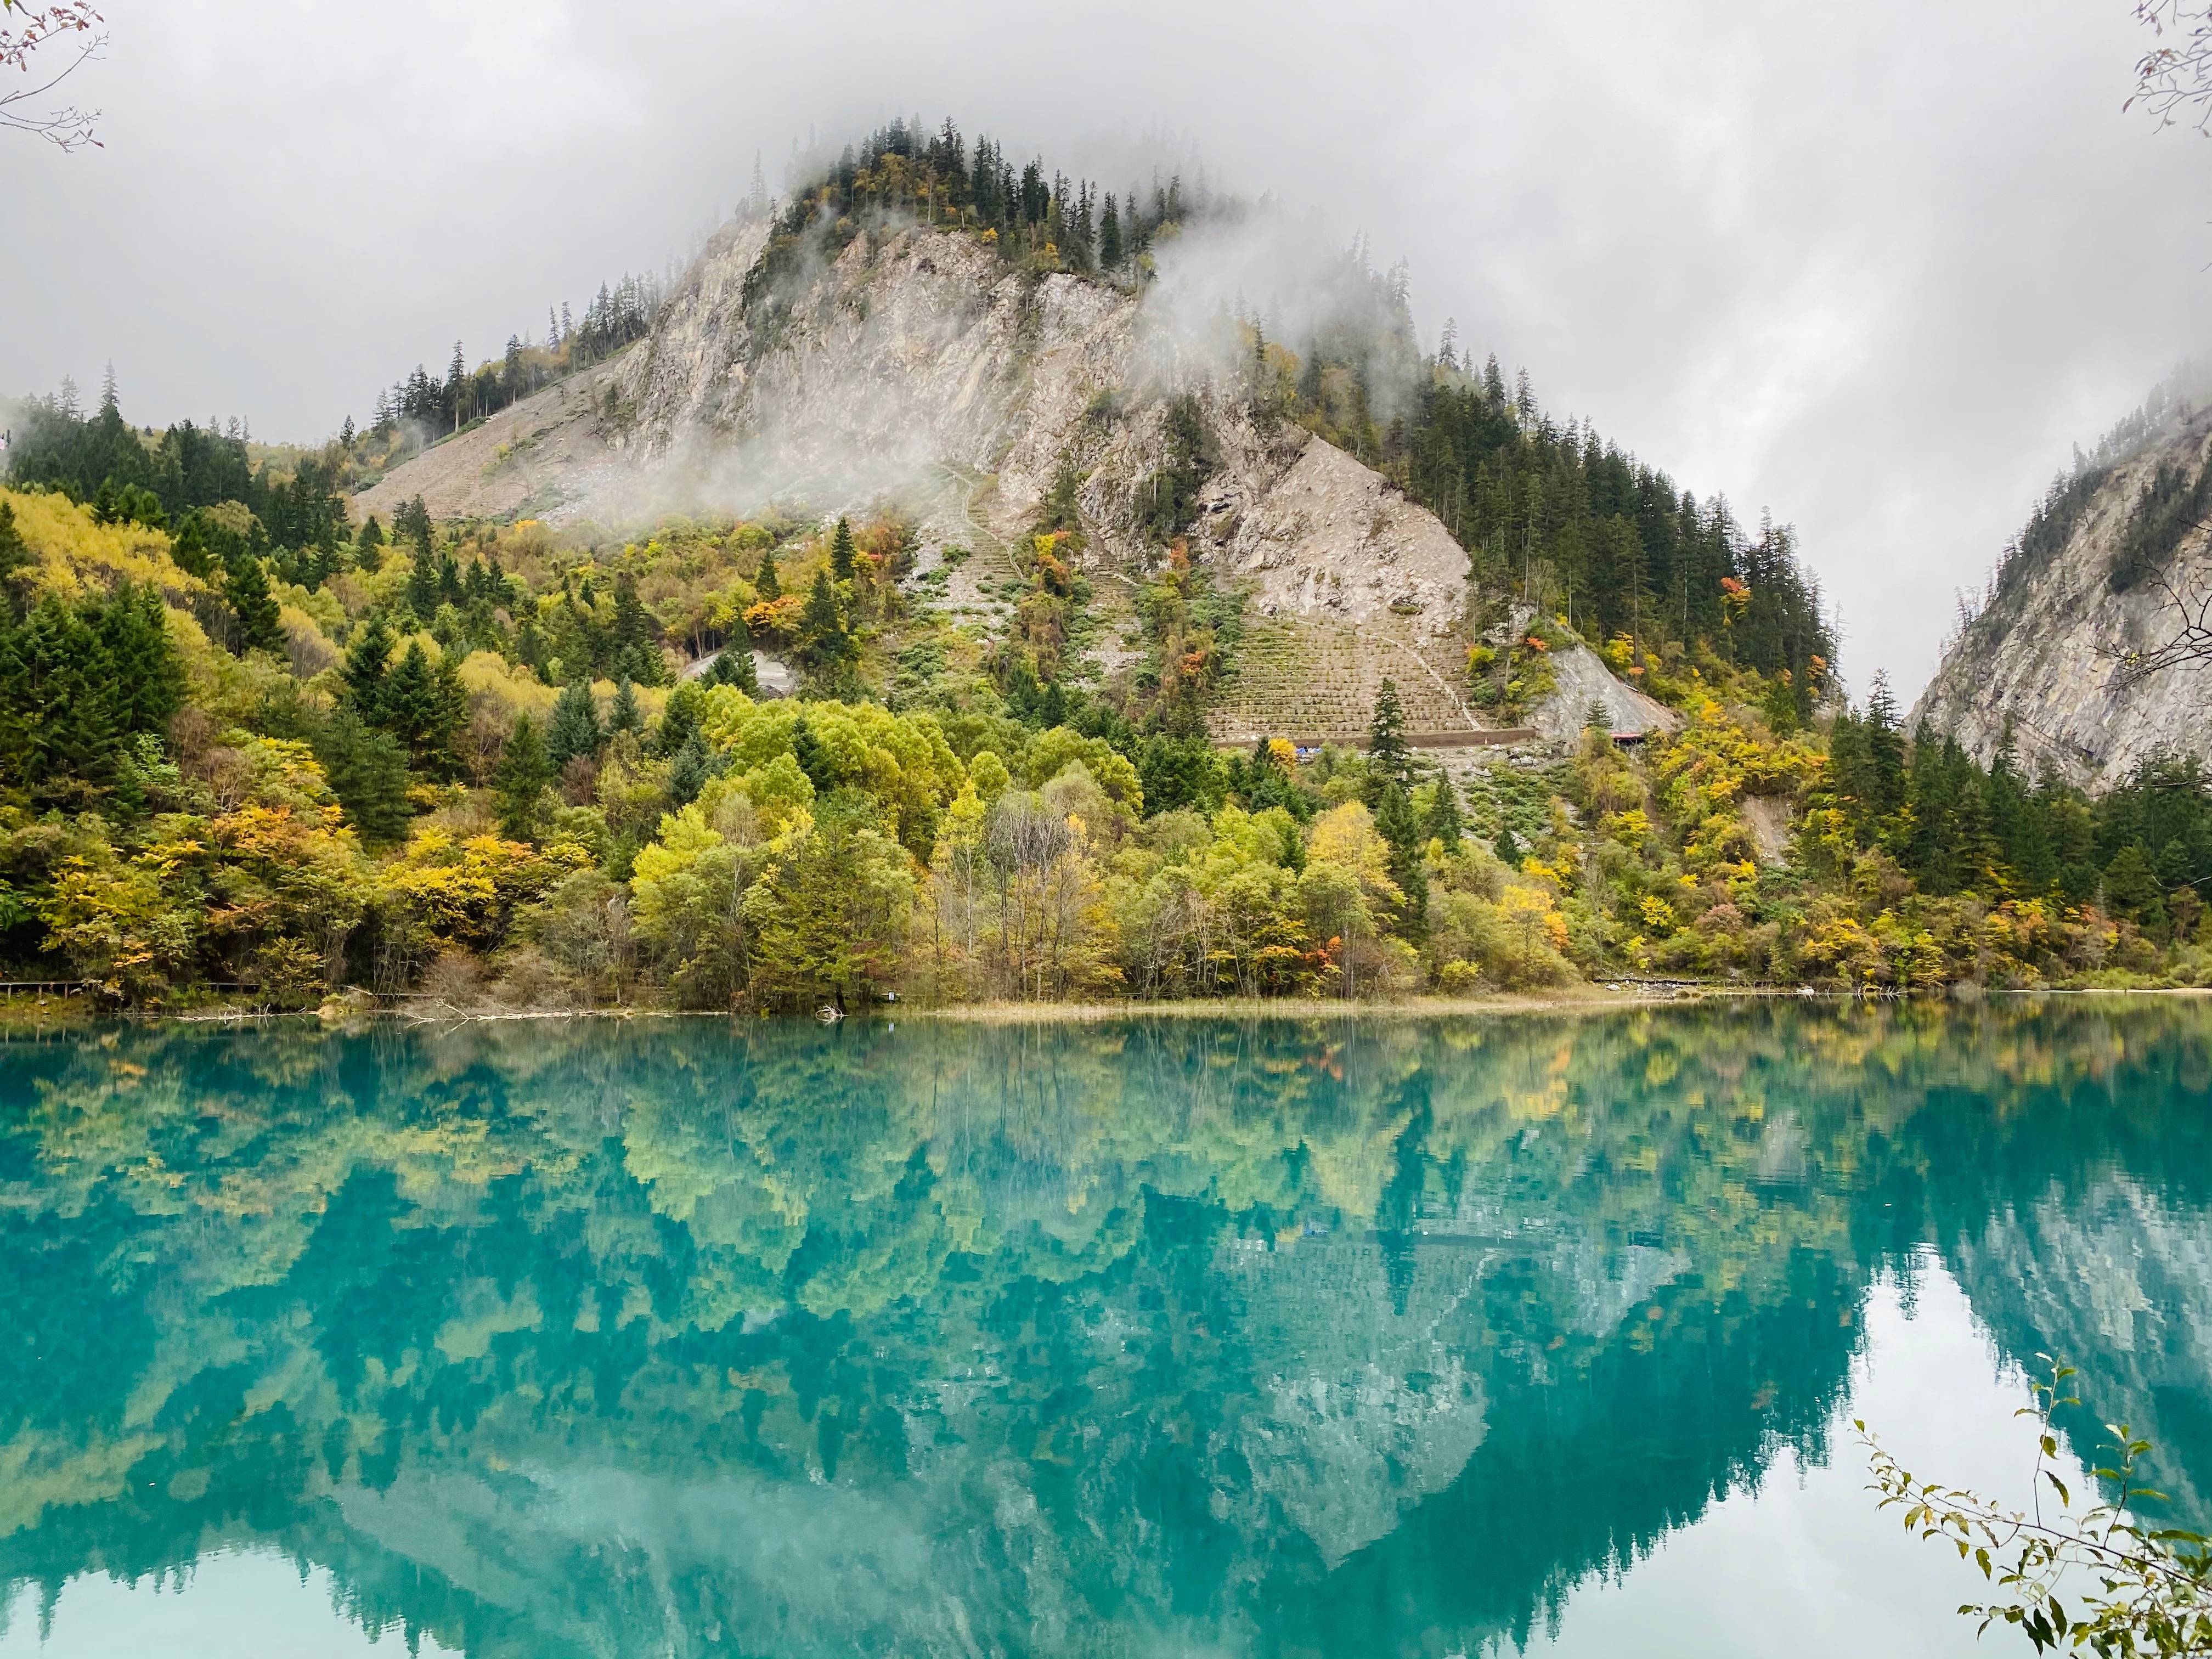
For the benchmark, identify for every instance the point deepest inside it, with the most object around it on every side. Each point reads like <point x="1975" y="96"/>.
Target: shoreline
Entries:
<point x="71" y="1013"/>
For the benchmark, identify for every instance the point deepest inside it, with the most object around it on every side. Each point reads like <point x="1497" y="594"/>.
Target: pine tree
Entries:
<point x="687" y="775"/>
<point x="623" y="713"/>
<point x="813" y="759"/>
<point x="424" y="707"/>
<point x="247" y="590"/>
<point x="1885" y="744"/>
<point x="14" y="560"/>
<point x="1390" y="759"/>
<point x="766" y="583"/>
<point x="368" y="545"/>
<point x="679" y="720"/>
<point x="733" y="664"/>
<point x="421" y="590"/>
<point x="1445" y="823"/>
<point x="1401" y="832"/>
<point x="520" y="780"/>
<point x="575" y="729"/>
<point x="841" y="553"/>
<point x="1109" y="236"/>
<point x="633" y="636"/>
<point x="368" y="660"/>
<point x="823" y="641"/>
<point x="367" y="772"/>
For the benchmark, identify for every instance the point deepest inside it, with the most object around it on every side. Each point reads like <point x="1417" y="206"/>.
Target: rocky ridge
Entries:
<point x="915" y="367"/>
<point x="2046" y="657"/>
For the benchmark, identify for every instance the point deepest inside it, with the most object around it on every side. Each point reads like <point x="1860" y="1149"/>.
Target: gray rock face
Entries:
<point x="2045" y="657"/>
<point x="915" y="368"/>
<point x="1580" y="680"/>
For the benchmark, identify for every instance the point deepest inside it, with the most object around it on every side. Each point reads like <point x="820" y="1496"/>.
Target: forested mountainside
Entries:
<point x="1112" y="625"/>
<point x="2094" y="585"/>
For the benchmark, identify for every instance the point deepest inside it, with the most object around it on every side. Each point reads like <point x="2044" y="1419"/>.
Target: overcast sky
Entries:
<point x="1874" y="268"/>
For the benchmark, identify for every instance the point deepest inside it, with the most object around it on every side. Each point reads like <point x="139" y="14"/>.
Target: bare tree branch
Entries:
<point x="68" y="127"/>
<point x="2190" y="602"/>
<point x="2173" y="80"/>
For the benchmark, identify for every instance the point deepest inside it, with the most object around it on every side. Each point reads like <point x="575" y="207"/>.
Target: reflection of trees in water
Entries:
<point x="580" y="1338"/>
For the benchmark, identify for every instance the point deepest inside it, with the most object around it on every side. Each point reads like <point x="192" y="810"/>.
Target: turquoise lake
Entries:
<point x="1180" y="1337"/>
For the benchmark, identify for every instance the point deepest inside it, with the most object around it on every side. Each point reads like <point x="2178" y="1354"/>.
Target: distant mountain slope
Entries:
<point x="2043" y="658"/>
<point x="915" y="367"/>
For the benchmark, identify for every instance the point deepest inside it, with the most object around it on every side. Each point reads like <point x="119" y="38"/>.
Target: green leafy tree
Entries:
<point x="679" y="721"/>
<point x="2132" y="889"/>
<point x="829" y="916"/>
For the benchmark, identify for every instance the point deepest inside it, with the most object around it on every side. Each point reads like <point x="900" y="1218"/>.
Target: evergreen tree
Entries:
<point x="14" y="559"/>
<point x="2132" y="889"/>
<point x="520" y="780"/>
<point x="1885" y="747"/>
<point x="813" y="759"/>
<point x="1445" y="823"/>
<point x="367" y="772"/>
<point x="733" y="664"/>
<point x="679" y="721"/>
<point x="368" y="660"/>
<point x="247" y="590"/>
<point x="841" y="553"/>
<point x="143" y="674"/>
<point x="1109" y="236"/>
<point x="687" y="775"/>
<point x="1401" y="832"/>
<point x="424" y="706"/>
<point x="822" y="640"/>
<point x="575" y="729"/>
<point x="1389" y="759"/>
<point x="1508" y="848"/>
<point x="634" y="636"/>
<point x="622" y="713"/>
<point x="422" y="585"/>
<point x="766" y="581"/>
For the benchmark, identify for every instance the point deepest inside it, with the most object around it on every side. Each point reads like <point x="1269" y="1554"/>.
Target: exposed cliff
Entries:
<point x="917" y="367"/>
<point x="2045" y="658"/>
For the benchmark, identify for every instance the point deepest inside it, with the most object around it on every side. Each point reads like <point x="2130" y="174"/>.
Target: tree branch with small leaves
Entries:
<point x="2173" y="79"/>
<point x="69" y="26"/>
<point x="2137" y="1591"/>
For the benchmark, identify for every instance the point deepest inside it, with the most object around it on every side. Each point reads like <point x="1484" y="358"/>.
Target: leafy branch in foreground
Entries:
<point x="66" y="129"/>
<point x="2154" y="1587"/>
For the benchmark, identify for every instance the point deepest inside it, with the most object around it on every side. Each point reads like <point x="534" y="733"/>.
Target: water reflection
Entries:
<point x="1279" y="1338"/>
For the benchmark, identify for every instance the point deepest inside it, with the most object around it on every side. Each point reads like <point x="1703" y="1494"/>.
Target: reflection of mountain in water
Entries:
<point x="1363" y="1339"/>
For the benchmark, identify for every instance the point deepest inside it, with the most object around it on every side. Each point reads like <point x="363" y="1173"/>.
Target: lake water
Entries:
<point x="1400" y="1337"/>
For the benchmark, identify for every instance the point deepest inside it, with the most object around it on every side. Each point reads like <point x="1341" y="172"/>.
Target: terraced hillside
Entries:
<point x="1298" y="678"/>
